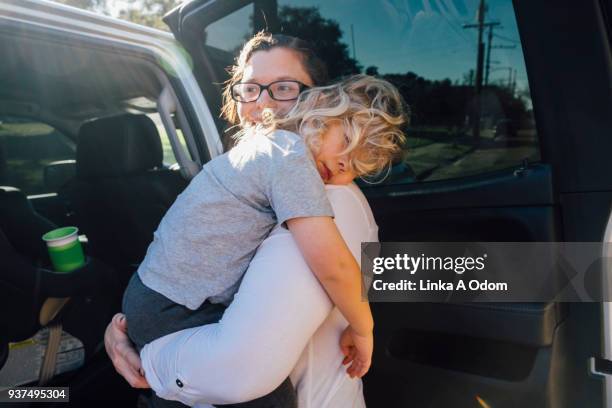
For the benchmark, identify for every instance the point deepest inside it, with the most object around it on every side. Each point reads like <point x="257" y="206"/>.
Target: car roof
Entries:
<point x="59" y="63"/>
<point x="57" y="15"/>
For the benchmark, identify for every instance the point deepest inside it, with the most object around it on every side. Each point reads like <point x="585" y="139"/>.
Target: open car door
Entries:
<point x="195" y="25"/>
<point x="546" y="189"/>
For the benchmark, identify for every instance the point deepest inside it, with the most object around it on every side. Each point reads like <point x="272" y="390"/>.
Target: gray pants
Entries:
<point x="150" y="315"/>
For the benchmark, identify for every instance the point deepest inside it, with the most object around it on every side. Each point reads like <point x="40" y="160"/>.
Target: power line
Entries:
<point x="450" y="24"/>
<point x="501" y="37"/>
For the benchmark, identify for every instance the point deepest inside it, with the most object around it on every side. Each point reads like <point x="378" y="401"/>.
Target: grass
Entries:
<point x="426" y="159"/>
<point x="436" y="153"/>
<point x="481" y="160"/>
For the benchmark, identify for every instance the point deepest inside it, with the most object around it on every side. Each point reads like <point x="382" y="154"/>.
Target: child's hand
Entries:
<point x="358" y="350"/>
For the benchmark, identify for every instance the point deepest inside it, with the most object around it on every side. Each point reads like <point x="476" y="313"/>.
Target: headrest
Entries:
<point x="9" y="189"/>
<point x="117" y="145"/>
<point x="22" y="225"/>
<point x="13" y="199"/>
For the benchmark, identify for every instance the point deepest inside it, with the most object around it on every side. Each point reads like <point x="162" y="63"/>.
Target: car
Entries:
<point x="104" y="122"/>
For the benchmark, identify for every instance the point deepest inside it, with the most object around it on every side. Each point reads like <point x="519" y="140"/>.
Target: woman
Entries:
<point x="318" y="374"/>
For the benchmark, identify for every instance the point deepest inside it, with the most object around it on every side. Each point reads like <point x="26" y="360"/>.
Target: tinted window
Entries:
<point x="428" y="49"/>
<point x="27" y="149"/>
<point x="230" y="32"/>
<point x="169" y="157"/>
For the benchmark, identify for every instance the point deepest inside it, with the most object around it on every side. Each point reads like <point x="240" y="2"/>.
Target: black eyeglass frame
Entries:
<point x="267" y="88"/>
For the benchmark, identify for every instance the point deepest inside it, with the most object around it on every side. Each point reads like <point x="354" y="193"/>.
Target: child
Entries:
<point x="206" y="240"/>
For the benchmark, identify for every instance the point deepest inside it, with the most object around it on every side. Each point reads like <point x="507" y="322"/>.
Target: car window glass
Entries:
<point x="230" y="32"/>
<point x="429" y="51"/>
<point x="27" y="149"/>
<point x="169" y="157"/>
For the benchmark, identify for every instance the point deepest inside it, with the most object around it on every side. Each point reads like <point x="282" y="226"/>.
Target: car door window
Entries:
<point x="169" y="157"/>
<point x="230" y="32"/>
<point x="28" y="148"/>
<point x="429" y="51"/>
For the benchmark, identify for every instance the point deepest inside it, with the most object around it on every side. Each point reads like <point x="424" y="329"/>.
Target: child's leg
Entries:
<point x="150" y="315"/>
<point x="284" y="396"/>
<point x="153" y="401"/>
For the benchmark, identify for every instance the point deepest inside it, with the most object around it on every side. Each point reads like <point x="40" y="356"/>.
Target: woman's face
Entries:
<point x="263" y="68"/>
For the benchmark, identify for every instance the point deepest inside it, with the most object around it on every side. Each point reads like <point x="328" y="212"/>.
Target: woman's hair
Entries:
<point x="263" y="41"/>
<point x="370" y="110"/>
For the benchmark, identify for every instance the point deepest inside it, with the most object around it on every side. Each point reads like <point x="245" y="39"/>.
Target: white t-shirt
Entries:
<point x="280" y="323"/>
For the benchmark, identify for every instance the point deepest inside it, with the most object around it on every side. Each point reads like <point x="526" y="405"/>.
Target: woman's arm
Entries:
<point x="279" y="306"/>
<point x="122" y="353"/>
<point x="330" y="260"/>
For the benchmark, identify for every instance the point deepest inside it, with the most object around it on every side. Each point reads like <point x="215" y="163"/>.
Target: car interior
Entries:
<point x="115" y="189"/>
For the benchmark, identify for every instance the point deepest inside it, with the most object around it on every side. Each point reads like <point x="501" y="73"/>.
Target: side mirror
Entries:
<point x="58" y="173"/>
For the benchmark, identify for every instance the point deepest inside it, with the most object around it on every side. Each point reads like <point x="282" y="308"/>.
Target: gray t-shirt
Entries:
<point x="206" y="240"/>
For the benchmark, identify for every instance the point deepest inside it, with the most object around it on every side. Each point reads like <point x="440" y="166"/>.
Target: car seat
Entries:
<point x="122" y="189"/>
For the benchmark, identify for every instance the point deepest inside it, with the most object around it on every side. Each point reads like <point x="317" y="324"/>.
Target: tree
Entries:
<point x="468" y="78"/>
<point x="372" y="70"/>
<point x="149" y="12"/>
<point x="324" y="34"/>
<point x="99" y="6"/>
<point x="145" y="12"/>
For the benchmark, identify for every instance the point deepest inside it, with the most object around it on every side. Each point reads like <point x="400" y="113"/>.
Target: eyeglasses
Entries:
<point x="278" y="90"/>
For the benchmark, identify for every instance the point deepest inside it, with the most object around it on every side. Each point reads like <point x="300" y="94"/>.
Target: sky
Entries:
<point x="423" y="36"/>
<point x="426" y="37"/>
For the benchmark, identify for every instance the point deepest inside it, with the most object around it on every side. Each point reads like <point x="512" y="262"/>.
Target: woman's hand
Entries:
<point x="357" y="349"/>
<point x="122" y="353"/>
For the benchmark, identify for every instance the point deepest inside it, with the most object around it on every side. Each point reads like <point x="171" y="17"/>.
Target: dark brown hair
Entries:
<point x="263" y="41"/>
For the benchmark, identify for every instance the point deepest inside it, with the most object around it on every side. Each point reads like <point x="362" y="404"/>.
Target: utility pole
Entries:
<point x="510" y="78"/>
<point x="506" y="47"/>
<point x="353" y="41"/>
<point x="489" y="46"/>
<point x="480" y="49"/>
<point x="509" y="73"/>
<point x="480" y="25"/>
<point x="479" y="62"/>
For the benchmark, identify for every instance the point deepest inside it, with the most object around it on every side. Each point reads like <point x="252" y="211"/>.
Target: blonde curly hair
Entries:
<point x="370" y="110"/>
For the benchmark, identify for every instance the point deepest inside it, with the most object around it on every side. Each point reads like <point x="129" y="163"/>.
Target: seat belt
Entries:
<point x="47" y="370"/>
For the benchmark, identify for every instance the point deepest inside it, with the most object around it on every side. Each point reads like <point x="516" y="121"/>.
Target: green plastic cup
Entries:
<point x="64" y="249"/>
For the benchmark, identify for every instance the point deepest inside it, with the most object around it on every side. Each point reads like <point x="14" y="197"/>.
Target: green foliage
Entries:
<point x="325" y="35"/>
<point x="93" y="5"/>
<point x="149" y="12"/>
<point x="145" y="12"/>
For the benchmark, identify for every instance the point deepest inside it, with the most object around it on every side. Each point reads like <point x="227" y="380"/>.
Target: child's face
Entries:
<point x="332" y="166"/>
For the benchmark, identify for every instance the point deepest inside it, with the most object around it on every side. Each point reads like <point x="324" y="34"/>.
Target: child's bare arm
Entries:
<point x="334" y="266"/>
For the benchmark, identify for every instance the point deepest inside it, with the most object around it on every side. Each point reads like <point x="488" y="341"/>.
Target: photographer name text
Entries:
<point x="413" y="264"/>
